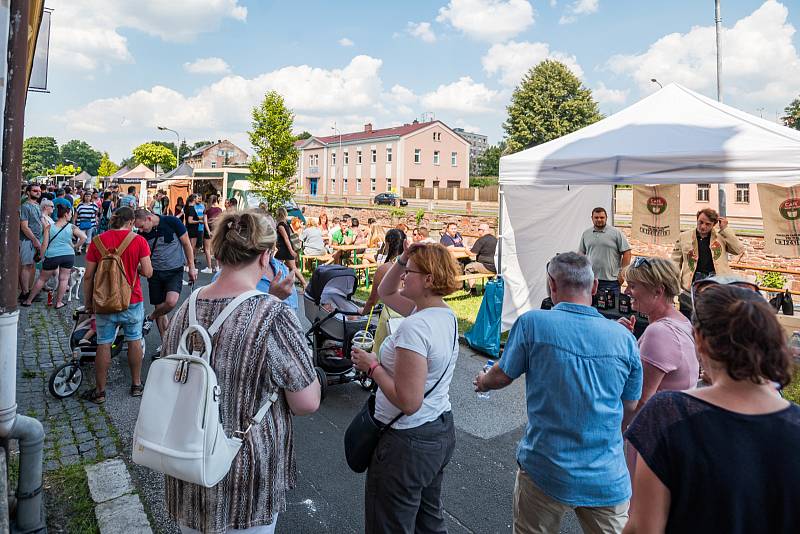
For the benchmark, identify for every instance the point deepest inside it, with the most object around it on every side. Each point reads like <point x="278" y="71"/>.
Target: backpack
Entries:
<point x="179" y="431"/>
<point x="105" y="218"/>
<point x="112" y="291"/>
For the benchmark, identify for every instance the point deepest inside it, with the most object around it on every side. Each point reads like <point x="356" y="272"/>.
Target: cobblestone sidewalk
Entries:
<point x="75" y="431"/>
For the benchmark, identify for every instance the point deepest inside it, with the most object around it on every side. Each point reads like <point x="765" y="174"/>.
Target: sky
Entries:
<point x="120" y="68"/>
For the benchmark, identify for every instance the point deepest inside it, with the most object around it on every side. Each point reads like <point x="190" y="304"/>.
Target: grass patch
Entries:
<point x="792" y="391"/>
<point x="69" y="504"/>
<point x="28" y="374"/>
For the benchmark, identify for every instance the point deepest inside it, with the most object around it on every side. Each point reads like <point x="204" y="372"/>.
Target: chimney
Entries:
<point x="415" y="121"/>
<point x="368" y="127"/>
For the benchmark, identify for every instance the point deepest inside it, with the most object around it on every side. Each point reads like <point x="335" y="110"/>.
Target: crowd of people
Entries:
<point x="619" y="429"/>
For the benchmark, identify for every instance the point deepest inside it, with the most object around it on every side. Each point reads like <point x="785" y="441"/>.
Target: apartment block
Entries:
<point x="477" y="146"/>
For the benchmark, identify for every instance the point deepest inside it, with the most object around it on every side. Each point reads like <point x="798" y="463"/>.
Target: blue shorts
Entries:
<point x="129" y="320"/>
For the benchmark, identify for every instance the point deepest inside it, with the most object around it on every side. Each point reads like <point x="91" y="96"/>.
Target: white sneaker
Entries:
<point x="207" y="270"/>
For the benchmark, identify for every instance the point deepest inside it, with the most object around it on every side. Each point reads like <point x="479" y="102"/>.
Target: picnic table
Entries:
<point x="459" y="253"/>
<point x="355" y="249"/>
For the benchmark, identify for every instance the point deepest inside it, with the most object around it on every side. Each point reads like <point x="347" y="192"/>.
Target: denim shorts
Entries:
<point x="129" y="320"/>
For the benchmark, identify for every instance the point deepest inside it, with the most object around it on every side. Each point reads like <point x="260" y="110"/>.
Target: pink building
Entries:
<point x="420" y="154"/>
<point x="742" y="199"/>
<point x="223" y="153"/>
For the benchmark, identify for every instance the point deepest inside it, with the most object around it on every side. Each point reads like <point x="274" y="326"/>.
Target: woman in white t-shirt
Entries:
<point x="404" y="479"/>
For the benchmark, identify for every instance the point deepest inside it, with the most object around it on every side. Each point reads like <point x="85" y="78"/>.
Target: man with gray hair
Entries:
<point x="583" y="380"/>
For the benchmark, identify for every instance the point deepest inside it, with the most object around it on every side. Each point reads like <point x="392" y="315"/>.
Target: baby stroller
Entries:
<point x="67" y="378"/>
<point x="334" y="319"/>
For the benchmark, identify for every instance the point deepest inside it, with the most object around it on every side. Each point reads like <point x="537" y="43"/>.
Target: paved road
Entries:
<point x="329" y="497"/>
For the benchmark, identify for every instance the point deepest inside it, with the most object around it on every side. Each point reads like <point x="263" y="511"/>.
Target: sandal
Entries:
<point x="59" y="307"/>
<point x="92" y="395"/>
<point x="137" y="390"/>
<point x="25" y="304"/>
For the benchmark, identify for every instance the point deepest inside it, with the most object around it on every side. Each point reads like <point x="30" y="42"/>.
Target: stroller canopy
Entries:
<point x="342" y="278"/>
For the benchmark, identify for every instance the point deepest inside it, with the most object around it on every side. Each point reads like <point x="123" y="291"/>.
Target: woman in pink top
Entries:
<point x="669" y="359"/>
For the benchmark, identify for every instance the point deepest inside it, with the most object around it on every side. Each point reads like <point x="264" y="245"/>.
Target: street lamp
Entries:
<point x="656" y="81"/>
<point x="177" y="146"/>
<point x="339" y="154"/>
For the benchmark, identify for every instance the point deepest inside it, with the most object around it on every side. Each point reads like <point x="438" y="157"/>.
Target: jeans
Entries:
<point x="404" y="481"/>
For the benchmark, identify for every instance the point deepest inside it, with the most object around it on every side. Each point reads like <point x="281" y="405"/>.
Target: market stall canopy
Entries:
<point x="84" y="178"/>
<point x="672" y="136"/>
<point x="184" y="170"/>
<point x="122" y="170"/>
<point x="140" y="171"/>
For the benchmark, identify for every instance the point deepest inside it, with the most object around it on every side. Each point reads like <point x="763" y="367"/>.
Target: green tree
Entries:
<point x="274" y="161"/>
<point x="151" y="154"/>
<point x="489" y="161"/>
<point x="82" y="154"/>
<point x="38" y="155"/>
<point x="549" y="102"/>
<point x="198" y="144"/>
<point x="302" y="136"/>
<point x="792" y="117"/>
<point x="107" y="167"/>
<point x="64" y="170"/>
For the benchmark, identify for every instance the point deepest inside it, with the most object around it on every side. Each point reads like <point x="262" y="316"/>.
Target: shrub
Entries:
<point x="772" y="279"/>
<point x="419" y="215"/>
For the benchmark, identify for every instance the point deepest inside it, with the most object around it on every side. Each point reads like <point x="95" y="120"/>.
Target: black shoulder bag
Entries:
<point x="364" y="431"/>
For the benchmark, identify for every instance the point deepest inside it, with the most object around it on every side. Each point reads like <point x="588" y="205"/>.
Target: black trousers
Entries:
<point x="404" y="479"/>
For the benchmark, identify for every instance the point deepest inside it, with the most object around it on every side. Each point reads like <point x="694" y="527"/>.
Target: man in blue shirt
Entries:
<point x="583" y="379"/>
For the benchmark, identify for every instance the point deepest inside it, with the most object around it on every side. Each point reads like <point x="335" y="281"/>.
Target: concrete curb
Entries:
<point x="118" y="508"/>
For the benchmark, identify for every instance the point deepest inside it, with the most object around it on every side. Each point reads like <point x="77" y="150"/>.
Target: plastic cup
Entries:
<point x="363" y="340"/>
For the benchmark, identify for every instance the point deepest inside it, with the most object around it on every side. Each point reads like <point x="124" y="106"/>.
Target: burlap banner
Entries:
<point x="780" y="210"/>
<point x="656" y="213"/>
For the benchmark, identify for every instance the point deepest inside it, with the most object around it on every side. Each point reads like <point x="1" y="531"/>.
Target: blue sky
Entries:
<point x="120" y="68"/>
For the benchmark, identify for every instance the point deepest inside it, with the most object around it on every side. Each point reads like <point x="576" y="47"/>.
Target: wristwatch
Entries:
<point x="374" y="365"/>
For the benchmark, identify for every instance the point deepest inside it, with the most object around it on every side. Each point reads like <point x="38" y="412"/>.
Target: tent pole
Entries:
<point x="723" y="205"/>
<point x="500" y="232"/>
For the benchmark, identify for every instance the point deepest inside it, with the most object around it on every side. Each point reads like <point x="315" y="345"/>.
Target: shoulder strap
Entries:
<point x="125" y="242"/>
<point x="54" y="237"/>
<point x="100" y="246"/>
<point x="224" y="314"/>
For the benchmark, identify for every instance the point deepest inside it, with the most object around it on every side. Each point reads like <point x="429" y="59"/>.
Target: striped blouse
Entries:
<point x="260" y="348"/>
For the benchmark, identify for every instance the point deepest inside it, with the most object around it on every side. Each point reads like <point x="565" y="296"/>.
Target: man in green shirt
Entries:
<point x="342" y="235"/>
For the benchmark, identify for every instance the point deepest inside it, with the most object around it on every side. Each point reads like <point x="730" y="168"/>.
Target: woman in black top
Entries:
<point x="723" y="458"/>
<point x="179" y="208"/>
<point x="285" y="251"/>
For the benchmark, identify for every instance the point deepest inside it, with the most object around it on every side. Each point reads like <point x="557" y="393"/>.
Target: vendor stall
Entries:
<point x="672" y="136"/>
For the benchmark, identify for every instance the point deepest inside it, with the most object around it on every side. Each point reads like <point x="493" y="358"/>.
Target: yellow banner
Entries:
<point x="780" y="210"/>
<point x="656" y="213"/>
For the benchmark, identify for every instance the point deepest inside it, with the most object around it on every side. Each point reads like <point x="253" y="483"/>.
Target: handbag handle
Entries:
<point x="195" y="329"/>
<point x="446" y="367"/>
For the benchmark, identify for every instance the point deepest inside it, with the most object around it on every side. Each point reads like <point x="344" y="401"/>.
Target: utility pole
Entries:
<point x="177" y="147"/>
<point x="723" y="205"/>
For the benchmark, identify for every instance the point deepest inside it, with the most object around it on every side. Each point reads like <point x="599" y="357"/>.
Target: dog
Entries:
<point x="75" y="281"/>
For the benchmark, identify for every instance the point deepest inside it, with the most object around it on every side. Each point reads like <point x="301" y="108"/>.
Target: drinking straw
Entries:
<point x="369" y="319"/>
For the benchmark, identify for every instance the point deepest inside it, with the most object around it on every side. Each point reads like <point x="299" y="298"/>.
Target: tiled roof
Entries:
<point x="395" y="131"/>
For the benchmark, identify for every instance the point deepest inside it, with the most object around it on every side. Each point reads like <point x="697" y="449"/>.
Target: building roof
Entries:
<point x="199" y="150"/>
<point x="394" y="131"/>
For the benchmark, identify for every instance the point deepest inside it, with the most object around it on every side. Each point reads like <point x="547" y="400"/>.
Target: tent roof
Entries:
<point x="120" y="172"/>
<point x="181" y="171"/>
<point x="672" y="136"/>
<point x="83" y="176"/>
<point x="140" y="171"/>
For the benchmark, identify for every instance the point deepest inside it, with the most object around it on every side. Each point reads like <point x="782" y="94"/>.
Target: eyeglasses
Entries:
<point x="701" y="285"/>
<point x="414" y="271"/>
<point x="641" y="260"/>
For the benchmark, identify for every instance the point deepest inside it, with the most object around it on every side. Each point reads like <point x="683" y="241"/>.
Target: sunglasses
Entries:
<point x="641" y="260"/>
<point x="701" y="285"/>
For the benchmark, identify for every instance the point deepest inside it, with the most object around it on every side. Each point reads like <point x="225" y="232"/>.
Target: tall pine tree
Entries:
<point x="549" y="102"/>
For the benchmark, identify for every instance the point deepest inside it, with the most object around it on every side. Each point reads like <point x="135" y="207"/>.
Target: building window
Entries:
<point x="346" y="158"/>
<point x="435" y="157"/>
<point x="374" y="156"/>
<point x="372" y="184"/>
<point x="358" y="185"/>
<point x="703" y="192"/>
<point x="417" y="155"/>
<point x="313" y="160"/>
<point x="358" y="157"/>
<point x="388" y="155"/>
<point x="333" y="185"/>
<point x="743" y="193"/>
<point x="388" y="184"/>
<point x="344" y="185"/>
<point x="333" y="158"/>
<point x="454" y="159"/>
<point x="213" y="164"/>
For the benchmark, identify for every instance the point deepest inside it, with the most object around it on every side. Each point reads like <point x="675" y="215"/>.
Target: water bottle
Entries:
<point x="489" y="365"/>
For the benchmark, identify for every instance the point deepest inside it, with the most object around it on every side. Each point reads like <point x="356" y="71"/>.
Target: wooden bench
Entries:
<point x="365" y="267"/>
<point x="306" y="259"/>
<point x="478" y="277"/>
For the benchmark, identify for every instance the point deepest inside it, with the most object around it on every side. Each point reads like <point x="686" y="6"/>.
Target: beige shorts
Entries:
<point x="535" y="512"/>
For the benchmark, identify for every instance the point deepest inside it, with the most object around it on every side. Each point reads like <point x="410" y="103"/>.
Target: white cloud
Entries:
<point x="577" y="8"/>
<point x="488" y="20"/>
<point x="761" y="65"/>
<point x="422" y="31"/>
<point x="350" y="95"/>
<point x="605" y="95"/>
<point x="344" y="41"/>
<point x="464" y="96"/>
<point x="207" y="65"/>
<point x="512" y="60"/>
<point x="96" y="41"/>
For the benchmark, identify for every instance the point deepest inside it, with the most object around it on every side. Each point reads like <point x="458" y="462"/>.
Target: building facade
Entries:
<point x="223" y="153"/>
<point x="420" y="154"/>
<point x="741" y="199"/>
<point x="477" y="146"/>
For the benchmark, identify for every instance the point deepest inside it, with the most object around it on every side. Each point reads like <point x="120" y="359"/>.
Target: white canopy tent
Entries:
<point x="672" y="136"/>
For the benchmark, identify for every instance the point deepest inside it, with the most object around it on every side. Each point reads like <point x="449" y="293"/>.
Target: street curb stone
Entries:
<point x="108" y="480"/>
<point x="118" y="509"/>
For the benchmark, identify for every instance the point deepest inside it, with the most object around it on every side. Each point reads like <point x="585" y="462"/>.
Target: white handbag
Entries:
<point x="179" y="430"/>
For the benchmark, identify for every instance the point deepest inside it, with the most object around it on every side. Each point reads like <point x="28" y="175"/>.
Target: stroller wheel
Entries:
<point x="65" y="380"/>
<point x="323" y="383"/>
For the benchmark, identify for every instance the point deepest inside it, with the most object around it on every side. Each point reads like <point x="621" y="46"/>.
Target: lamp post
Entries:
<point x="339" y="154"/>
<point x="657" y="82"/>
<point x="177" y="145"/>
<point x="723" y="205"/>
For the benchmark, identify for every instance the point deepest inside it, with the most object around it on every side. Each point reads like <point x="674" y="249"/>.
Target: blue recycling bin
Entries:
<point x="484" y="336"/>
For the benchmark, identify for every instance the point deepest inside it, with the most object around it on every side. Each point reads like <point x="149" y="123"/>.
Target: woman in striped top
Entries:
<point x="85" y="217"/>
